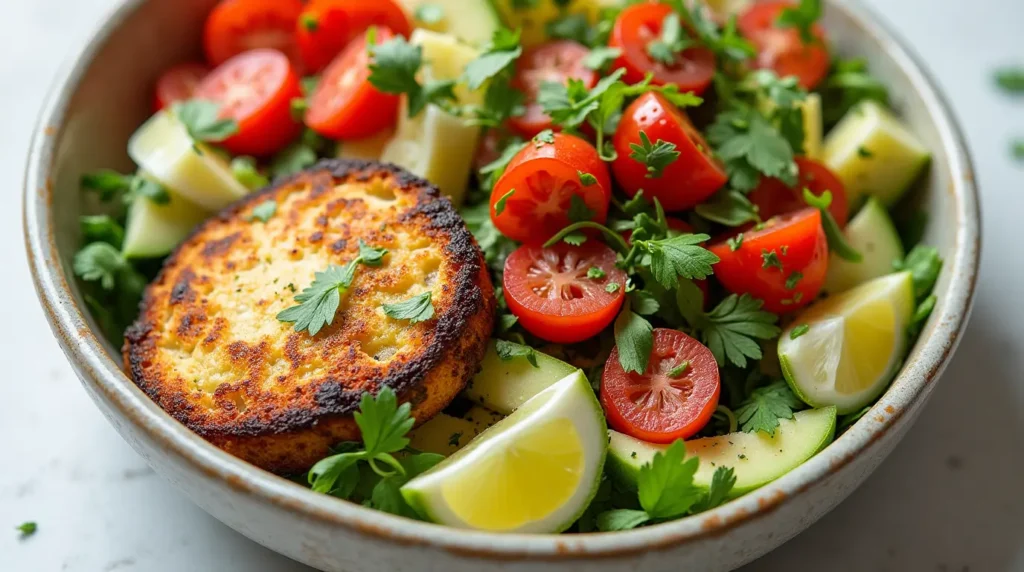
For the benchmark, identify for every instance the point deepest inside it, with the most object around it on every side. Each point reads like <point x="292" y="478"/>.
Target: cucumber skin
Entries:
<point x="872" y="225"/>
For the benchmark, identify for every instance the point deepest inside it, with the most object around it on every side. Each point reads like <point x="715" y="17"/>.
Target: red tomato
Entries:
<point x="345" y="105"/>
<point x="686" y="182"/>
<point x="551" y="62"/>
<point x="794" y="241"/>
<point x="236" y="26"/>
<point x="655" y="406"/>
<point x="326" y="27"/>
<point x="773" y="197"/>
<point x="782" y="49"/>
<point x="549" y="291"/>
<point x="178" y="83"/>
<point x="544" y="178"/>
<point x="255" y="88"/>
<point x="639" y="25"/>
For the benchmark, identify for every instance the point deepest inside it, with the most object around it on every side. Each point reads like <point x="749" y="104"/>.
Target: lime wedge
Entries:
<point x="853" y="344"/>
<point x="534" y="471"/>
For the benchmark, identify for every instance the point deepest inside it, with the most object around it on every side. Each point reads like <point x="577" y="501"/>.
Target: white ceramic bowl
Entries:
<point x="104" y="93"/>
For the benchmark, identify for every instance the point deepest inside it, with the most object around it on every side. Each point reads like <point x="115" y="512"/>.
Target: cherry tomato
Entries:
<point x="673" y="399"/>
<point x="783" y="264"/>
<point x="555" y="62"/>
<point x="178" y="83"/>
<point x="255" y="88"/>
<point x="782" y="49"/>
<point x="345" y="105"/>
<point x="236" y="26"/>
<point x="326" y="27"/>
<point x="688" y="180"/>
<point x="549" y="291"/>
<point x="639" y="25"/>
<point x="773" y="197"/>
<point x="542" y="179"/>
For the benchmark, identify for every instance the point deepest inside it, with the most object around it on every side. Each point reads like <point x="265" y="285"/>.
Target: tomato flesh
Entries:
<point x="687" y="181"/>
<point x="326" y="27"/>
<point x="542" y="179"/>
<point x="345" y="105"/>
<point x="236" y="26"/>
<point x="555" y="62"/>
<point x="255" y="88"/>
<point x="782" y="49"/>
<point x="773" y="197"/>
<point x="635" y="28"/>
<point x="178" y="83"/>
<point x="656" y="406"/>
<point x="549" y="291"/>
<point x="797" y="241"/>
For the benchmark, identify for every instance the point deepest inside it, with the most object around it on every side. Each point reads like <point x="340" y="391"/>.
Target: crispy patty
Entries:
<point x="208" y="348"/>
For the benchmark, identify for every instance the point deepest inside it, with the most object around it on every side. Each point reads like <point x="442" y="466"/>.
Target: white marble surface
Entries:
<point x="948" y="499"/>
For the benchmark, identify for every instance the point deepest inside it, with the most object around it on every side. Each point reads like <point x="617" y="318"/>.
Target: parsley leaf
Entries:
<point x="578" y="210"/>
<point x="595" y="273"/>
<point x="722" y="482"/>
<point x="848" y="84"/>
<point x="621" y="519"/>
<point x="417" y="309"/>
<point x="798" y="331"/>
<point x="644" y="302"/>
<point x="546" y="137"/>
<point x="586" y="179"/>
<point x="836" y="239"/>
<point x="750" y="146"/>
<point x="292" y="159"/>
<point x="728" y="207"/>
<point x="725" y="42"/>
<point x="503" y="50"/>
<point x="921" y="314"/>
<point x="769" y="259"/>
<point x="100" y="262"/>
<point x="108" y="184"/>
<point x="731" y="328"/>
<point x="508" y="351"/>
<point x="394" y="67"/>
<point x="677" y="256"/>
<point x="656" y="157"/>
<point x="102" y="228"/>
<point x="383" y="424"/>
<point x="672" y="41"/>
<point x="245" y="171"/>
<point x="634" y="340"/>
<point x="370" y="255"/>
<point x="801" y="17"/>
<point x="27" y="528"/>
<point x="765" y="406"/>
<point x="665" y="485"/>
<point x="264" y="211"/>
<point x="202" y="120"/>
<point x="499" y="206"/>
<point x="924" y="264"/>
<point x="1011" y="80"/>
<point x="601" y="56"/>
<point x="495" y="246"/>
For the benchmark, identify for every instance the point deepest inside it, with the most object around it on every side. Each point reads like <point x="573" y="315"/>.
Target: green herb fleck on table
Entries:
<point x="27" y="528"/>
<point x="1011" y="79"/>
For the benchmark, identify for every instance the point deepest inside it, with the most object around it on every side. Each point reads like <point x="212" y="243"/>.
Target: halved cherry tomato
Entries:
<point x="551" y="62"/>
<point x="345" y="105"/>
<point x="773" y="197"/>
<point x="783" y="264"/>
<point x="178" y="83"/>
<point x="782" y="49"/>
<point x="542" y="179"/>
<point x="549" y="291"/>
<point x="657" y="406"/>
<point x="236" y="26"/>
<point x="639" y="25"/>
<point x="326" y="27"/>
<point x="688" y="180"/>
<point x="255" y="88"/>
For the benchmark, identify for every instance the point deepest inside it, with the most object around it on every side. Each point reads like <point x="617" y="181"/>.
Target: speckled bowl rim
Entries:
<point x="102" y="375"/>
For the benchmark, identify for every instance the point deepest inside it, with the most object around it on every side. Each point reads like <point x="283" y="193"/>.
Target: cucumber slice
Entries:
<point x="368" y="148"/>
<point x="874" y="154"/>
<point x="811" y="110"/>
<point x="155" y="230"/>
<point x="434" y="144"/>
<point x="445" y="434"/>
<point x="873" y="234"/>
<point x="163" y="148"/>
<point x="503" y="386"/>
<point x="757" y="459"/>
<point x="472" y="21"/>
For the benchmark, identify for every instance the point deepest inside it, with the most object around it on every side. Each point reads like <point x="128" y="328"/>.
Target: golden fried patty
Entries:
<point x="209" y="349"/>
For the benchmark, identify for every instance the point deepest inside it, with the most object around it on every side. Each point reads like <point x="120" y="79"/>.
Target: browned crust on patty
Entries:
<point x="207" y="346"/>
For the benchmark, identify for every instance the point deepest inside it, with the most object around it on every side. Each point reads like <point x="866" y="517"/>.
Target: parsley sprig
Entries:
<point x="765" y="406"/>
<point x="656" y="157"/>
<point x="802" y="17"/>
<point x="732" y="329"/>
<point x="202" y="120"/>
<point x="394" y="68"/>
<point x="318" y="303"/>
<point x="417" y="309"/>
<point x="110" y="185"/>
<point x="836" y="239"/>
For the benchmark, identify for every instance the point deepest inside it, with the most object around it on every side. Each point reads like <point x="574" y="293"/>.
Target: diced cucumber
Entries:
<point x="756" y="458"/>
<point x="503" y="386"/>
<point x="435" y="145"/>
<point x="533" y="17"/>
<point x="445" y="434"/>
<point x="163" y="148"/>
<point x="472" y="21"/>
<point x="369" y="148"/>
<point x="873" y="234"/>
<point x="811" y="110"/>
<point x="874" y="154"/>
<point x="155" y="230"/>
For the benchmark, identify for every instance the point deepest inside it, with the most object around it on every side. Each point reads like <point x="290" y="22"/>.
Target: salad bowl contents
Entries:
<point x="548" y="267"/>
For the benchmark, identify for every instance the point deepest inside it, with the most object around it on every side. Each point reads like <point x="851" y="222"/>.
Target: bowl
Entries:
<point x="103" y="94"/>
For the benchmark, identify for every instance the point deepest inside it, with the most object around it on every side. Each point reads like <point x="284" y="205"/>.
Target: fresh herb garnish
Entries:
<point x="264" y="211"/>
<point x="27" y="528"/>
<point x="732" y="328"/>
<point x="924" y="264"/>
<point x="578" y="210"/>
<point x="672" y="41"/>
<point x="769" y="259"/>
<point x="508" y="351"/>
<point x="586" y="179"/>
<point x="765" y="406"/>
<point x="202" y="120"/>
<point x="728" y="207"/>
<point x="634" y="340"/>
<point x="735" y="242"/>
<point x="802" y="17"/>
<point x="102" y="228"/>
<point x="798" y="331"/>
<point x="499" y="205"/>
<point x="546" y="137"/>
<point x="750" y="147"/>
<point x="655" y="157"/>
<point x="793" y="280"/>
<point x="245" y="171"/>
<point x="601" y="56"/>
<point x="503" y="50"/>
<point x="836" y="240"/>
<point x="417" y="309"/>
<point x="595" y="273"/>
<point x="393" y="70"/>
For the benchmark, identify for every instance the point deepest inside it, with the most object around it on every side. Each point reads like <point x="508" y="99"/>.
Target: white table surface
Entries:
<point x="948" y="499"/>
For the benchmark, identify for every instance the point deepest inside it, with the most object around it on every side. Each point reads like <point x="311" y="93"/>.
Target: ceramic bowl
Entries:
<point x="104" y="93"/>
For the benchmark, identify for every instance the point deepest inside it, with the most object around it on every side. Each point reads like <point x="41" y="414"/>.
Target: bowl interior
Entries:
<point x="107" y="94"/>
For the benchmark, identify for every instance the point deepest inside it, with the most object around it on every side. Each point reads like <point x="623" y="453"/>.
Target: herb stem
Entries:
<point x="616" y="239"/>
<point x="730" y="416"/>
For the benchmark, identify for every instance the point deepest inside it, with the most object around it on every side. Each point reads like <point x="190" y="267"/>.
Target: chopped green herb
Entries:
<point x="612" y="287"/>
<point x="453" y="439"/>
<point x="836" y="240"/>
<point x="673" y="40"/>
<point x="1011" y="79"/>
<point x="863" y="152"/>
<point x="586" y="179"/>
<point x="27" y="528"/>
<point x="595" y="273"/>
<point x="417" y="309"/>
<point x="503" y="49"/>
<point x="731" y="329"/>
<point x="924" y="264"/>
<point x="679" y="369"/>
<point x="429" y="13"/>
<point x="578" y="210"/>
<point x="802" y="17"/>
<point x="264" y="211"/>
<point x="393" y="70"/>
<point x="575" y="238"/>
<point x="309" y="22"/>
<point x="202" y="120"/>
<point x="765" y="406"/>
<point x="499" y="206"/>
<point x="798" y="331"/>
<point x="769" y="259"/>
<point x="735" y="242"/>
<point x="634" y="340"/>
<point x="793" y="280"/>
<point x="728" y="207"/>
<point x="655" y="157"/>
<point x="601" y="56"/>
<point x="245" y="171"/>
<point x="546" y="137"/>
<point x="507" y="351"/>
